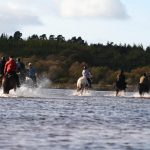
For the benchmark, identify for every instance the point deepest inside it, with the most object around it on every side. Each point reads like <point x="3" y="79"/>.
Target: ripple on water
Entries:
<point x="58" y="119"/>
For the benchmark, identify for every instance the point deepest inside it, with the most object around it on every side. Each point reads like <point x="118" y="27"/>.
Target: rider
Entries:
<point x="21" y="69"/>
<point x="20" y="65"/>
<point x="32" y="73"/>
<point x="86" y="73"/>
<point x="10" y="69"/>
<point x="2" y="65"/>
<point x="143" y="79"/>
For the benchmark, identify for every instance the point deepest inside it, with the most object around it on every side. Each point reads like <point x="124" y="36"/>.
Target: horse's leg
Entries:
<point x="82" y="91"/>
<point x="1" y="81"/>
<point x="141" y="90"/>
<point x="141" y="94"/>
<point x="78" y="89"/>
<point x="117" y="91"/>
<point x="15" y="88"/>
<point x="5" y="91"/>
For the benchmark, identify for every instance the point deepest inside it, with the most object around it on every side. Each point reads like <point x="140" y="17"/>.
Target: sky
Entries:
<point x="96" y="21"/>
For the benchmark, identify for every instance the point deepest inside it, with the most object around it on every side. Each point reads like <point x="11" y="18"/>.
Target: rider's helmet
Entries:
<point x="30" y="64"/>
<point x="18" y="59"/>
<point x="3" y="58"/>
<point x="84" y="67"/>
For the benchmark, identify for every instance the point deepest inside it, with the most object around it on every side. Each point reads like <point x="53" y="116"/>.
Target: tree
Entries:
<point x="3" y="36"/>
<point x="77" y="40"/>
<point x="33" y="37"/>
<point x="43" y="37"/>
<point x="51" y="37"/>
<point x="17" y="35"/>
<point x="60" y="38"/>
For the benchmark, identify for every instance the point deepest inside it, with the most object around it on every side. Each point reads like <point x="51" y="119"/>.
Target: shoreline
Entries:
<point x="130" y="88"/>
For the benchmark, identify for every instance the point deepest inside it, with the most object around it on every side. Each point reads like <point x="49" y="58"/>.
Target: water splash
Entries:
<point x="146" y="95"/>
<point x="85" y="93"/>
<point x="6" y="95"/>
<point x="44" y="83"/>
<point x="113" y="94"/>
<point x="28" y="91"/>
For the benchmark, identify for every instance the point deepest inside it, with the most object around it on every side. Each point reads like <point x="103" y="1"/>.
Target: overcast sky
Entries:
<point x="96" y="21"/>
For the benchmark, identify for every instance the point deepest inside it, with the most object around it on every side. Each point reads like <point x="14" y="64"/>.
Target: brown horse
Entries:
<point x="8" y="83"/>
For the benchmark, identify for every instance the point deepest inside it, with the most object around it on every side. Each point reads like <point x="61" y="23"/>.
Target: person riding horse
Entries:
<point x="144" y="86"/>
<point x="120" y="82"/>
<point x="10" y="69"/>
<point x="32" y="74"/>
<point x="82" y="84"/>
<point x="10" y="79"/>
<point x="21" y="70"/>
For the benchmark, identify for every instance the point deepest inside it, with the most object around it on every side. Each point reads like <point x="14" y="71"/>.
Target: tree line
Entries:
<point x="62" y="60"/>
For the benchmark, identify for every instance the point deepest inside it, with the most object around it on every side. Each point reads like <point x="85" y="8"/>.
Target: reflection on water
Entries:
<point x="44" y="119"/>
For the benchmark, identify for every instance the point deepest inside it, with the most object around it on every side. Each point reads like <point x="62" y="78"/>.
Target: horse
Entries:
<point x="22" y="76"/>
<point x="30" y="82"/>
<point x="9" y="82"/>
<point x="120" y="86"/>
<point x="144" y="87"/>
<point x="82" y="84"/>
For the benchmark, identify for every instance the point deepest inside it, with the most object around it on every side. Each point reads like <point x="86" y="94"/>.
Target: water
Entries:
<point x="44" y="119"/>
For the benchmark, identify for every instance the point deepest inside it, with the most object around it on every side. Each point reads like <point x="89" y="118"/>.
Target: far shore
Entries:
<point x="130" y="88"/>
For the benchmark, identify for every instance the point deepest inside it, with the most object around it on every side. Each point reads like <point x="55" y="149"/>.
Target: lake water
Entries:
<point x="57" y="119"/>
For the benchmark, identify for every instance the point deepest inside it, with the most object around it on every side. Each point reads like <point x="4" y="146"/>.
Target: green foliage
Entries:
<point x="75" y="71"/>
<point x="55" y="72"/>
<point x="62" y="60"/>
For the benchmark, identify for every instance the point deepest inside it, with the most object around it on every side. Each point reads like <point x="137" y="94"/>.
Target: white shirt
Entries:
<point x="86" y="73"/>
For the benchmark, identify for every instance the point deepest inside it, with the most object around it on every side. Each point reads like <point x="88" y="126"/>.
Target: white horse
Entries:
<point x="82" y="84"/>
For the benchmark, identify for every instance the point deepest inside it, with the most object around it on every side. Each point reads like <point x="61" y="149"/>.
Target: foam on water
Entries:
<point x="120" y="94"/>
<point x="128" y="94"/>
<point x="146" y="95"/>
<point x="85" y="93"/>
<point x="44" y="82"/>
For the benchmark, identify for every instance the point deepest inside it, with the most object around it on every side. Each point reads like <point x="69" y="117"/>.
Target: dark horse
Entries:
<point x="120" y="86"/>
<point x="8" y="83"/>
<point x="144" y="87"/>
<point x="1" y="78"/>
<point x="120" y="83"/>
